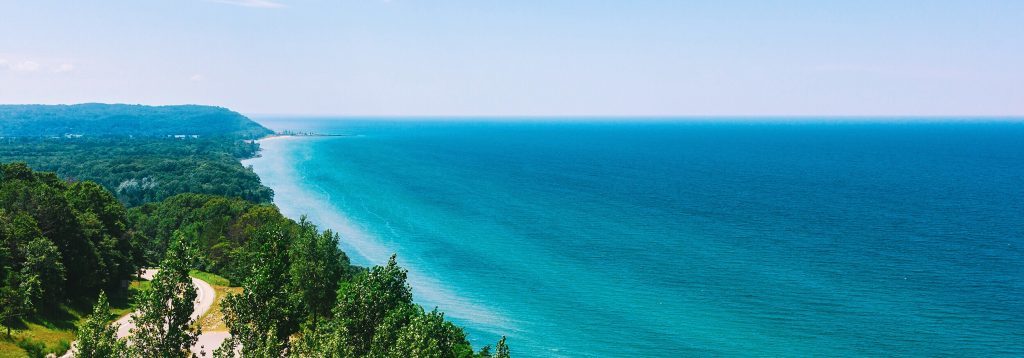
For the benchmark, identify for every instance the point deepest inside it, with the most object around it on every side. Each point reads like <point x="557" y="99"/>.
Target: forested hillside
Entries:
<point x="141" y="170"/>
<point x="300" y="295"/>
<point x="60" y="238"/>
<point x="128" y="150"/>
<point x="60" y="242"/>
<point x="184" y="205"/>
<point x="95" y="119"/>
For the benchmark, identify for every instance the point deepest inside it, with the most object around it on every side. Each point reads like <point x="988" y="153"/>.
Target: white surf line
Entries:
<point x="277" y="171"/>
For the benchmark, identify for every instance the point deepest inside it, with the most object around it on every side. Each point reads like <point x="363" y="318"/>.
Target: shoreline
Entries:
<point x="294" y="199"/>
<point x="280" y="135"/>
<point x="245" y="161"/>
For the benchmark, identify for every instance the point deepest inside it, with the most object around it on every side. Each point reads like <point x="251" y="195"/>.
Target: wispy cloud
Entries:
<point x="35" y="65"/>
<point x="266" y="4"/>
<point x="20" y="66"/>
<point x="196" y="78"/>
<point x="64" y="67"/>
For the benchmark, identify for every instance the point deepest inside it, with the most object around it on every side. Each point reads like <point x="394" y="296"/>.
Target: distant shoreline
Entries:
<point x="288" y="136"/>
<point x="276" y="135"/>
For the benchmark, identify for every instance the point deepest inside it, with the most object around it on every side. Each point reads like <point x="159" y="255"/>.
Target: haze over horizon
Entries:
<point x="559" y="58"/>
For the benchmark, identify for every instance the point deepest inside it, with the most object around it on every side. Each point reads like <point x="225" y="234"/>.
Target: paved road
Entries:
<point x="205" y="295"/>
<point x="209" y="341"/>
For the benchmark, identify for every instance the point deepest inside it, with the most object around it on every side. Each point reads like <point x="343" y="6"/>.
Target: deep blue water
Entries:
<point x="676" y="239"/>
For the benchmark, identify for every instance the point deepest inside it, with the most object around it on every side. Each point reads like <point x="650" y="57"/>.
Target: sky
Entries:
<point x="521" y="57"/>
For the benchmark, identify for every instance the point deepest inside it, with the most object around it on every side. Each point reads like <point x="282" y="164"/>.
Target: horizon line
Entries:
<point x="633" y="116"/>
<point x="1019" y="116"/>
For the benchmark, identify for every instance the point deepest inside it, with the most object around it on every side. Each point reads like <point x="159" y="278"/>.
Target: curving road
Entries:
<point x="205" y="295"/>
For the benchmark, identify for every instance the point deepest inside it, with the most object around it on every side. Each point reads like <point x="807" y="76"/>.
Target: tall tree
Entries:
<point x="14" y="302"/>
<point x="103" y="220"/>
<point x="375" y="317"/>
<point x="42" y="273"/>
<point x="41" y="205"/>
<point x="317" y="266"/>
<point x="164" y="327"/>
<point x="365" y="303"/>
<point x="261" y="317"/>
<point x="15" y="231"/>
<point x="426" y="335"/>
<point x="502" y="350"/>
<point x="97" y="338"/>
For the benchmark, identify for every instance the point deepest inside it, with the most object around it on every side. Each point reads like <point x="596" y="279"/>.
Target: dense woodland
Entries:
<point x="68" y="239"/>
<point x="144" y="169"/>
<point x="122" y="120"/>
<point x="60" y="240"/>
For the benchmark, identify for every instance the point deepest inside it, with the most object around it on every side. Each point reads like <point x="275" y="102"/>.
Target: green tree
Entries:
<point x="375" y="317"/>
<point x="103" y="220"/>
<point x="97" y="338"/>
<point x="317" y="266"/>
<point x="15" y="295"/>
<point x="322" y="340"/>
<point x="261" y="317"/>
<point x="428" y="335"/>
<point x="14" y="302"/>
<point x="41" y="197"/>
<point x="365" y="303"/>
<point x="42" y="273"/>
<point x="163" y="323"/>
<point x="415" y="339"/>
<point x="502" y="350"/>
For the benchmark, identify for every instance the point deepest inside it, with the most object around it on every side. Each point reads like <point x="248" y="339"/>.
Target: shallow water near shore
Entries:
<point x="668" y="239"/>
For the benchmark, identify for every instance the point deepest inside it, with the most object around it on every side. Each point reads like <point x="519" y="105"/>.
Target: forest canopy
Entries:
<point x="95" y="119"/>
<point x="123" y="196"/>
<point x="140" y="153"/>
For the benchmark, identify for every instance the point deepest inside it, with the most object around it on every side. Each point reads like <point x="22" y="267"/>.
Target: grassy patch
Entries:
<point x="42" y="334"/>
<point x="52" y="332"/>
<point x="212" y="279"/>
<point x="213" y="320"/>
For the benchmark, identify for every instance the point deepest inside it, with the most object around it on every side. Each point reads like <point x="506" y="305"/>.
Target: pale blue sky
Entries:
<point x="542" y="57"/>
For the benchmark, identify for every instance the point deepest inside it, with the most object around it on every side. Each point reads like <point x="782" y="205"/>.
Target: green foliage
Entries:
<point x="317" y="267"/>
<point x="95" y="119"/>
<point x="33" y="348"/>
<point x="141" y="170"/>
<point x="223" y="228"/>
<point x="42" y="273"/>
<point x="502" y="350"/>
<point x="425" y="335"/>
<point x="57" y="240"/>
<point x="194" y="207"/>
<point x="163" y="323"/>
<point x="213" y="217"/>
<point x="227" y="349"/>
<point x="364" y="304"/>
<point x="97" y="338"/>
<point x="262" y="317"/>
<point x="126" y="149"/>
<point x="210" y="278"/>
<point x="375" y="317"/>
<point x="14" y="303"/>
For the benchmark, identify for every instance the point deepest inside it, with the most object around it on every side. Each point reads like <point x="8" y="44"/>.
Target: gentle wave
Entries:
<point x="296" y="196"/>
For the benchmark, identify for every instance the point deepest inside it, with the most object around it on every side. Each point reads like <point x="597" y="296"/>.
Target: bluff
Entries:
<point x="96" y="119"/>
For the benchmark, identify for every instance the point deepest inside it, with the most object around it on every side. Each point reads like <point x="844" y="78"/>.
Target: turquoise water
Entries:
<point x="683" y="239"/>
